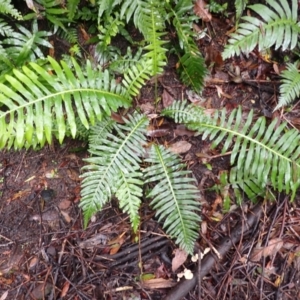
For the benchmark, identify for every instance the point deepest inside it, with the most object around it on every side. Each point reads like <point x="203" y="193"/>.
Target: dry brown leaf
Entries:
<point x="64" y="204"/>
<point x="66" y="216"/>
<point x="180" y="147"/>
<point x="273" y="247"/>
<point x="179" y="259"/>
<point x="65" y="289"/>
<point x="167" y="98"/>
<point x="181" y="130"/>
<point x="158" y="283"/>
<point x="33" y="262"/>
<point x="221" y="93"/>
<point x="161" y="131"/>
<point x="200" y="9"/>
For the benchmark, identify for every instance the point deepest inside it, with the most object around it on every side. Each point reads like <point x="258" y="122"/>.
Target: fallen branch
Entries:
<point x="184" y="287"/>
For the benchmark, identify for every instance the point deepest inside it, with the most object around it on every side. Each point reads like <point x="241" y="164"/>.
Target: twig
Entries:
<point x="183" y="288"/>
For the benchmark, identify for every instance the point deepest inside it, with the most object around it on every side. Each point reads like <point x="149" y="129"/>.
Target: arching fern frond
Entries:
<point x="279" y="27"/>
<point x="192" y="66"/>
<point x="290" y="85"/>
<point x="270" y="154"/>
<point x="114" y="168"/>
<point x="7" y="8"/>
<point x="175" y="196"/>
<point x="36" y="99"/>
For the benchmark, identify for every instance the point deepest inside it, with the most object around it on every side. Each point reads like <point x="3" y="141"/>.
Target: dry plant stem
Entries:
<point x="184" y="287"/>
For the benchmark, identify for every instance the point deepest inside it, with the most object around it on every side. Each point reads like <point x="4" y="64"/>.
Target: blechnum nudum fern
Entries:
<point x="276" y="26"/>
<point x="42" y="98"/>
<point x="261" y="154"/>
<point x="116" y="169"/>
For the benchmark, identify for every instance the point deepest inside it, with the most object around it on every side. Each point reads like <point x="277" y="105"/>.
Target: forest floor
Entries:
<point x="45" y="253"/>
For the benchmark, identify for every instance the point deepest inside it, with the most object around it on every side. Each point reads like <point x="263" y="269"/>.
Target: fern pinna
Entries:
<point x="261" y="154"/>
<point x="115" y="169"/>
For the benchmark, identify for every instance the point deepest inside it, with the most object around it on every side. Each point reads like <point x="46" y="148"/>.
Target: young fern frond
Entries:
<point x="240" y="5"/>
<point x="192" y="66"/>
<point x="279" y="27"/>
<point x="7" y="8"/>
<point x="175" y="196"/>
<point x="290" y="85"/>
<point x="151" y="22"/>
<point x="38" y="100"/>
<point x="269" y="154"/>
<point x="115" y="167"/>
<point x="72" y="6"/>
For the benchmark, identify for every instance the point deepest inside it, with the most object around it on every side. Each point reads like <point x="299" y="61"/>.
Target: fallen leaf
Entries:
<point x="179" y="259"/>
<point x="64" y="204"/>
<point x="33" y="262"/>
<point x="161" y="131"/>
<point x="41" y="290"/>
<point x="273" y="247"/>
<point x="221" y="93"/>
<point x="4" y="295"/>
<point x="158" y="283"/>
<point x="65" y="289"/>
<point x="180" y="147"/>
<point x="201" y="10"/>
<point x="66" y="216"/>
<point x="181" y="130"/>
<point x="167" y="98"/>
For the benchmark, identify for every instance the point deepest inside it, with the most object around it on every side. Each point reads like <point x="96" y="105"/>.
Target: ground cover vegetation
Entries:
<point x="43" y="98"/>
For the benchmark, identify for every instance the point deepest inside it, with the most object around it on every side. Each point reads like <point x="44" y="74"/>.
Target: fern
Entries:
<point x="266" y="153"/>
<point x="279" y="27"/>
<point x="7" y="8"/>
<point x="72" y="6"/>
<point x="115" y="169"/>
<point x="36" y="100"/>
<point x="192" y="66"/>
<point x="290" y="85"/>
<point x="175" y="196"/>
<point x="240" y="5"/>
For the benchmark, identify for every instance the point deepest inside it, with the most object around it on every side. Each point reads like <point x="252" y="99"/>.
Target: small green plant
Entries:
<point x="276" y="26"/>
<point x="261" y="155"/>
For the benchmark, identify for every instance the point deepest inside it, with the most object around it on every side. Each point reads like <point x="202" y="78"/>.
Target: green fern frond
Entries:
<point x="175" y="196"/>
<point x="106" y="6"/>
<point x="151" y="22"/>
<point x="25" y="45"/>
<point x="192" y="66"/>
<point x="290" y="85"/>
<point x="109" y="28"/>
<point x="5" y="29"/>
<point x="130" y="8"/>
<point x="266" y="153"/>
<point x="136" y="76"/>
<point x="240" y="5"/>
<point x="279" y="27"/>
<point x="36" y="99"/>
<point x="72" y="6"/>
<point x="114" y="168"/>
<point x="7" y="8"/>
